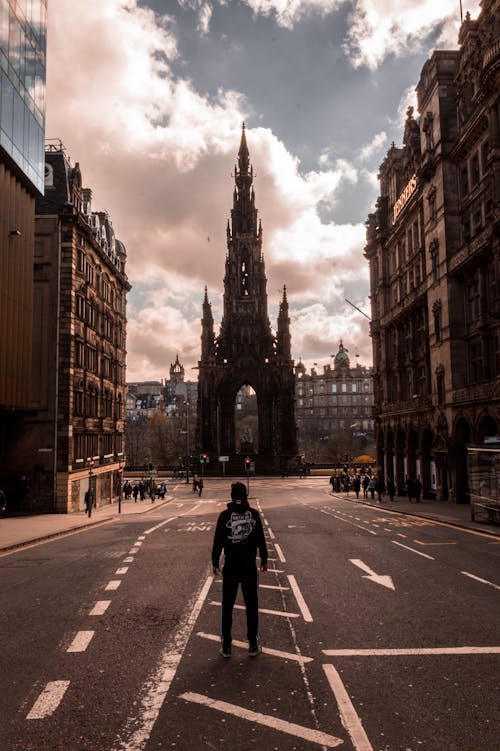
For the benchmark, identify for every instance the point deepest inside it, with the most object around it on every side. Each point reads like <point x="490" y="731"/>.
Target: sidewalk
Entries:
<point x="18" y="531"/>
<point x="456" y="514"/>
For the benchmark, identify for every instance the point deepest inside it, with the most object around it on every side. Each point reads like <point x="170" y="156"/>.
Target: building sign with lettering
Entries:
<point x="404" y="197"/>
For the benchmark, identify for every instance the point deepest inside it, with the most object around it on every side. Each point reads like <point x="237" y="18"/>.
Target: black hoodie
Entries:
<point x="239" y="532"/>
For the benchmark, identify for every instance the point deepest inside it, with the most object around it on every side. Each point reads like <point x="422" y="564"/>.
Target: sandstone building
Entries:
<point x="337" y="401"/>
<point x="73" y="437"/>
<point x="433" y="246"/>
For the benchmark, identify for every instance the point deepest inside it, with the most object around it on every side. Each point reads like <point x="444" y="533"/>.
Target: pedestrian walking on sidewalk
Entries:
<point x="391" y="489"/>
<point x="239" y="533"/>
<point x="89" y="502"/>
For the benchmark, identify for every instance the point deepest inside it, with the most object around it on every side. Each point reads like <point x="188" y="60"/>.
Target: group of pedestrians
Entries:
<point x="144" y="489"/>
<point x="372" y="484"/>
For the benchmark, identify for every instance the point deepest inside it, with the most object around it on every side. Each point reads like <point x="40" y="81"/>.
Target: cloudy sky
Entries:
<point x="149" y="96"/>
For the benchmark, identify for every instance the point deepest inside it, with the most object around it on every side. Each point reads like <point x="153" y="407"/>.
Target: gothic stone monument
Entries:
<point x="246" y="352"/>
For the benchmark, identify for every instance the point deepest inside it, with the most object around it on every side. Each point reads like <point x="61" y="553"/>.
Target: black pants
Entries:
<point x="232" y="577"/>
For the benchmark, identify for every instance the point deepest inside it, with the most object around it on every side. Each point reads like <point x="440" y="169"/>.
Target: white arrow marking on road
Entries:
<point x="385" y="581"/>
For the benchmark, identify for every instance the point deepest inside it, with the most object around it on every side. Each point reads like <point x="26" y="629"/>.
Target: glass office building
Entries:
<point x="23" y="26"/>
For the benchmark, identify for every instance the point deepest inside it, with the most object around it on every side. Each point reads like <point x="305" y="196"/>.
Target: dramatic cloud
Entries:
<point x="158" y="155"/>
<point x="390" y="27"/>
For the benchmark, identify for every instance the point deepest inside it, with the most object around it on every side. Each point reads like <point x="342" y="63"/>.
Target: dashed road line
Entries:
<point x="265" y="650"/>
<point x="271" y="533"/>
<point x="307" y="734"/>
<point x="128" y="560"/>
<point x="477" y="578"/>
<point x="359" y="526"/>
<point x="48" y="701"/>
<point x="306" y="613"/>
<point x="348" y="715"/>
<point x="100" y="607"/>
<point x="121" y="571"/>
<point x="81" y="641"/>
<point x="418" y="552"/>
<point x="113" y="584"/>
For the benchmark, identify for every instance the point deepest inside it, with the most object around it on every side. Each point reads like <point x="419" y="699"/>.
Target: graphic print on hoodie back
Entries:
<point x="239" y="532"/>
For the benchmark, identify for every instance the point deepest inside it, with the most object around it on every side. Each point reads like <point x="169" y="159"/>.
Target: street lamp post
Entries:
<point x="187" y="443"/>
<point x="120" y="481"/>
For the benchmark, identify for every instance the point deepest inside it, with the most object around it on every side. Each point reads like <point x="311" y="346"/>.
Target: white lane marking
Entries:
<point x="307" y="734"/>
<point x="385" y="581"/>
<point x="427" y="544"/>
<point x="265" y="650"/>
<point x="130" y="559"/>
<point x="138" y="544"/>
<point x="133" y="551"/>
<point x="100" y="607"/>
<point x="418" y="552"/>
<point x="271" y="533"/>
<point x="275" y="571"/>
<point x="281" y="555"/>
<point x="121" y="571"/>
<point x="272" y="586"/>
<point x="138" y="728"/>
<point x="161" y="524"/>
<point x="306" y="613"/>
<point x="81" y="641"/>
<point x="48" y="701"/>
<point x="261" y="610"/>
<point x="113" y="584"/>
<point x="142" y="537"/>
<point x="477" y="578"/>
<point x="348" y="715"/>
<point x="359" y="526"/>
<point x="411" y="651"/>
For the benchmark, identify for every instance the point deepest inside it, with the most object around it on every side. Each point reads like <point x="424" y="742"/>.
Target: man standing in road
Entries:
<point x="239" y="532"/>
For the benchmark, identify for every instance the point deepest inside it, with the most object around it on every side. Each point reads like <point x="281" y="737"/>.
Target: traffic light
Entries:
<point x="203" y="458"/>
<point x="247" y="464"/>
<point x="150" y="468"/>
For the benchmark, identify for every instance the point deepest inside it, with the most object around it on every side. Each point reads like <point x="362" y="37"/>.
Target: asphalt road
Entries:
<point x="380" y="633"/>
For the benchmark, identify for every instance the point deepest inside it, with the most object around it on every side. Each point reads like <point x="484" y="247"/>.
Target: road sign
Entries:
<point x="223" y="458"/>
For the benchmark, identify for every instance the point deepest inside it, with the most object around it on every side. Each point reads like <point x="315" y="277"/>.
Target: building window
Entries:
<point x="436" y="310"/>
<point x="78" y="402"/>
<point x="79" y="354"/>
<point x="434" y="251"/>
<point x="475" y="362"/>
<point x="440" y="385"/>
<point x="431" y="198"/>
<point x="472" y="299"/>
<point x="474" y="170"/>
<point x="344" y="388"/>
<point x="80" y="261"/>
<point x="464" y="181"/>
<point x="354" y="388"/>
<point x="334" y="388"/>
<point x="80" y="307"/>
